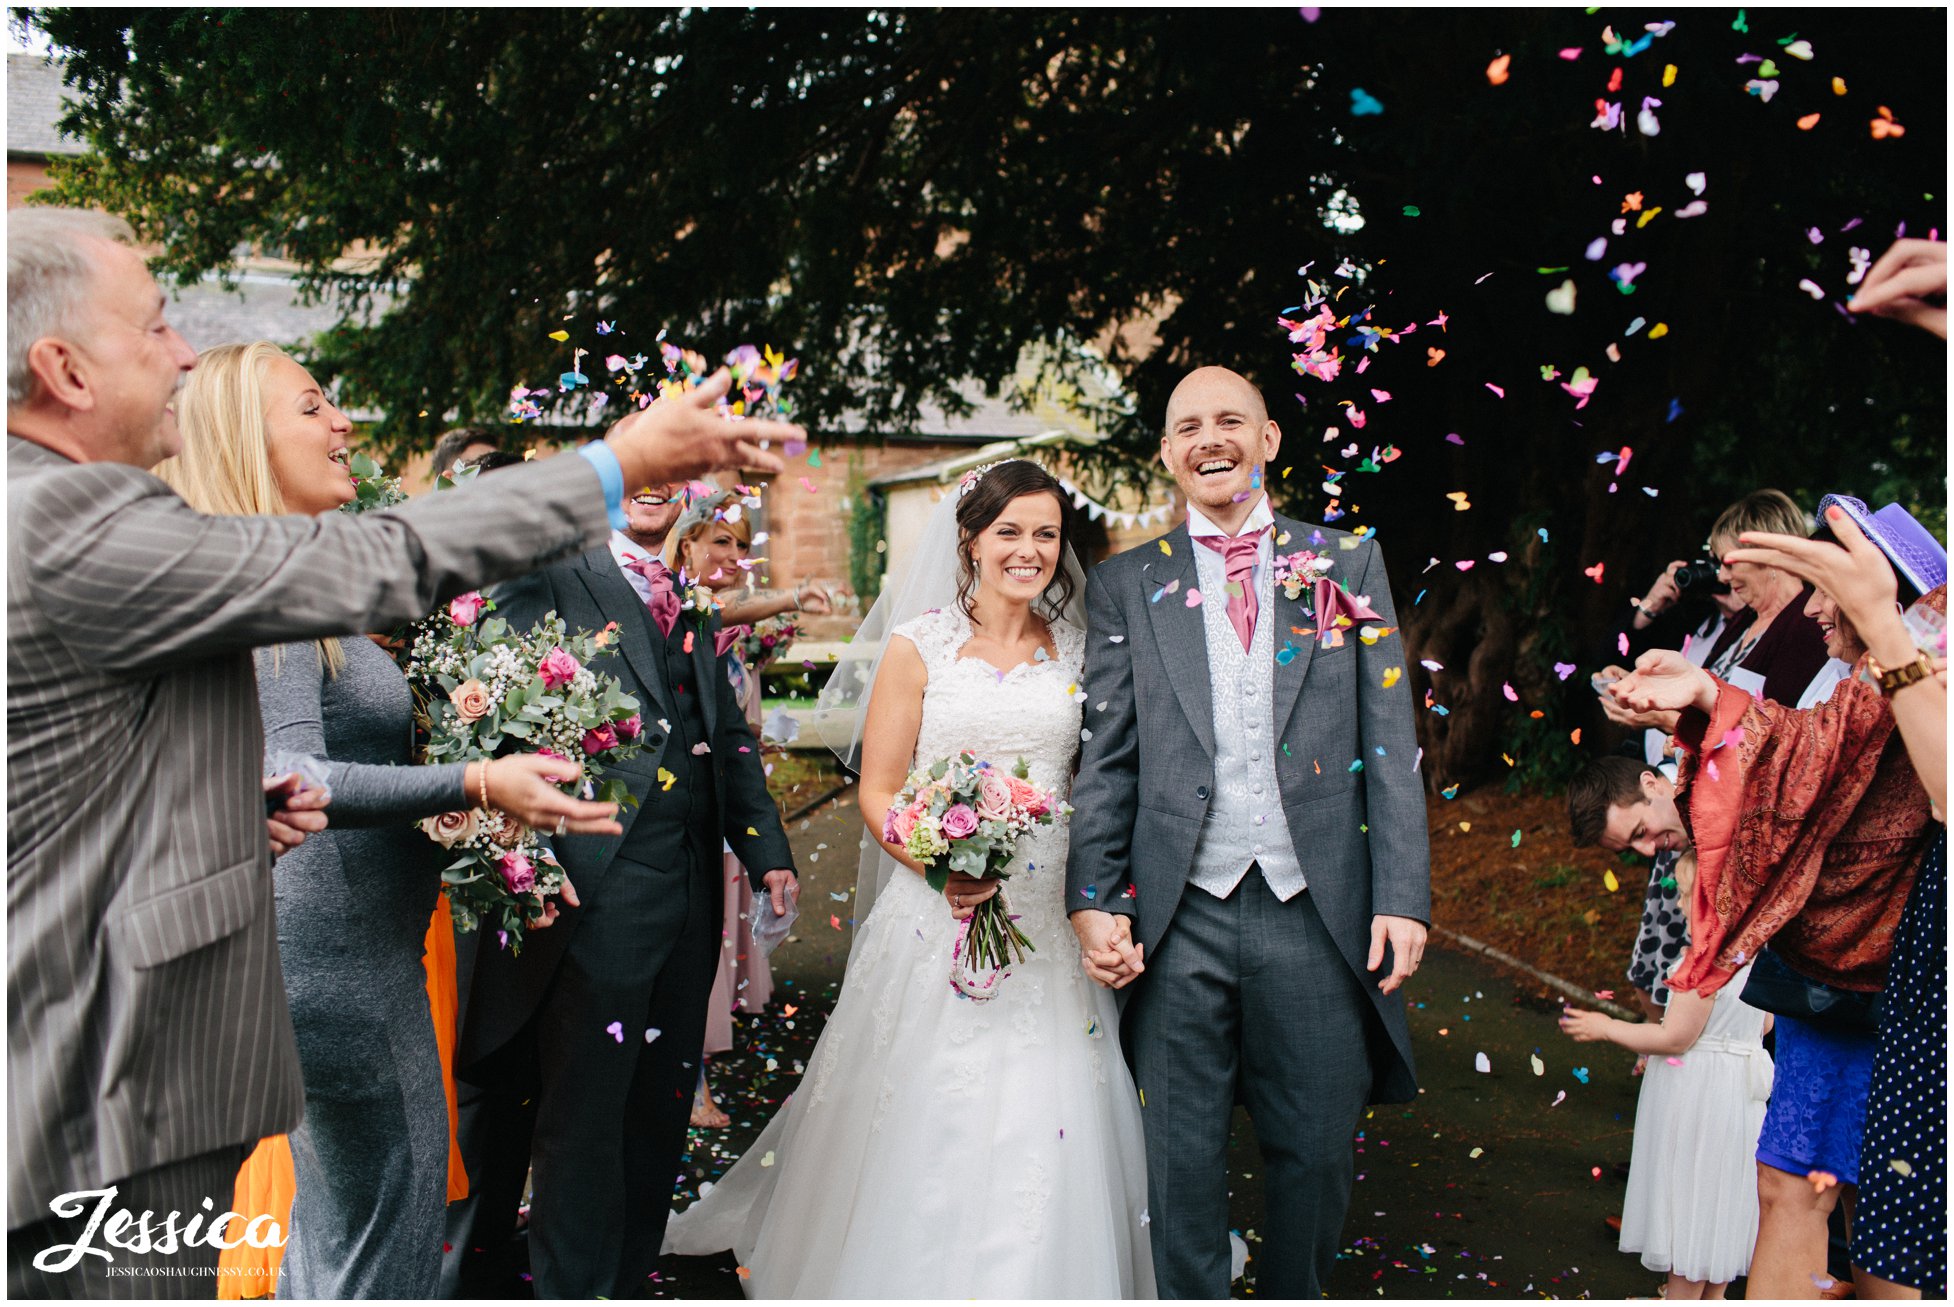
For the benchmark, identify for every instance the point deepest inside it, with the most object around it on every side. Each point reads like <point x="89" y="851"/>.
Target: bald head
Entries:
<point x="1217" y="384"/>
<point x="1217" y="441"/>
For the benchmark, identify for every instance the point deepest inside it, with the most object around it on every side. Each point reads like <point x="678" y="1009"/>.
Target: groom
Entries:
<point x="1248" y="846"/>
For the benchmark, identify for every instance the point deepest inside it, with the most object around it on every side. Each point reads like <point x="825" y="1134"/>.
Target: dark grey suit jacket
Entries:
<point x="146" y="1014"/>
<point x="1147" y="770"/>
<point x="587" y="592"/>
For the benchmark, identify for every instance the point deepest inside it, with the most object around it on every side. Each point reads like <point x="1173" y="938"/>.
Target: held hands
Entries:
<point x="1106" y="947"/>
<point x="520" y="786"/>
<point x="1900" y="283"/>
<point x="682" y="437"/>
<point x="1406" y="937"/>
<point x="1666" y="682"/>
<point x="1584" y="1027"/>
<point x="813" y="597"/>
<point x="783" y="887"/>
<point x="301" y="811"/>
<point x="964" y="893"/>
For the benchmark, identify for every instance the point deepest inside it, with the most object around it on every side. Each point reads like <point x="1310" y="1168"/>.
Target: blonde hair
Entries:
<point x="1761" y="510"/>
<point x="225" y="466"/>
<point x="712" y="506"/>
<point x="1685" y="873"/>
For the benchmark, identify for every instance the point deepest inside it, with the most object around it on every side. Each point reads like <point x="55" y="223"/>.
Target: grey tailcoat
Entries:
<point x="146" y="1015"/>
<point x="1147" y="769"/>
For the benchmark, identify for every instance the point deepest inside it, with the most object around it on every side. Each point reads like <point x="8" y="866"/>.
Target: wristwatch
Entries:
<point x="1900" y="677"/>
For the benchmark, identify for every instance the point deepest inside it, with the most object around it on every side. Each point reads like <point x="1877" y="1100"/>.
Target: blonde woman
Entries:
<point x="709" y="545"/>
<point x="370" y="1159"/>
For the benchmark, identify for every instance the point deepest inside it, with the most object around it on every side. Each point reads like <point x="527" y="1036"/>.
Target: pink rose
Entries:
<point x="959" y="821"/>
<point x="471" y="700"/>
<point x="557" y="668"/>
<point x="899" y="823"/>
<point x="993" y="798"/>
<point x="631" y="727"/>
<point x="600" y="739"/>
<point x="464" y="609"/>
<point x="518" y="873"/>
<point x="1027" y="796"/>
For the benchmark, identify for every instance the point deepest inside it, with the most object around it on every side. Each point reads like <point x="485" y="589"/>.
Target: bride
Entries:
<point x="940" y="1147"/>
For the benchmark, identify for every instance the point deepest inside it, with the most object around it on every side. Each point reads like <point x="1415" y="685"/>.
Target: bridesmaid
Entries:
<point x="370" y="1159"/>
<point x="711" y="544"/>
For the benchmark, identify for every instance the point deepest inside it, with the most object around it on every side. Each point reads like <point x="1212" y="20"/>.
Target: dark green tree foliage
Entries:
<point x="906" y="198"/>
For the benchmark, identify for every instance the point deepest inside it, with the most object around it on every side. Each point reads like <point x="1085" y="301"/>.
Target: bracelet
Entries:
<point x="482" y="781"/>
<point x="797" y="595"/>
<point x="1900" y="677"/>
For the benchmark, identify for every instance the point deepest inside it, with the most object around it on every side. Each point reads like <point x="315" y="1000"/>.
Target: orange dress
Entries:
<point x="265" y="1182"/>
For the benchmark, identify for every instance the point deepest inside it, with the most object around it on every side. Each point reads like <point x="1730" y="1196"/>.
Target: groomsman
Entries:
<point x="149" y="1044"/>
<point x="599" y="1025"/>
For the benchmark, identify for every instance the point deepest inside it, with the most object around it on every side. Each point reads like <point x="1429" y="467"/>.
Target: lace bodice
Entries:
<point x="1032" y="711"/>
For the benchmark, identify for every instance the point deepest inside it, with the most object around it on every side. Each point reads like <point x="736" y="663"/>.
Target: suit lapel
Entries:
<point x="705" y="666"/>
<point x="615" y="597"/>
<point x="1291" y="615"/>
<point x="1181" y="633"/>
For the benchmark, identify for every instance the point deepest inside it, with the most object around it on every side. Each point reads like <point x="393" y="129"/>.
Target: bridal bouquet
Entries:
<point x="960" y="814"/>
<point x="482" y="689"/>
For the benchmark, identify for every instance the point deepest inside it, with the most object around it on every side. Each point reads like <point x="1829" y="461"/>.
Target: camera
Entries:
<point x="1700" y="575"/>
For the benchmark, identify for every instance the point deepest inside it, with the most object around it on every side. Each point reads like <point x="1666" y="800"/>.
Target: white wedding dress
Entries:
<point x="939" y="1147"/>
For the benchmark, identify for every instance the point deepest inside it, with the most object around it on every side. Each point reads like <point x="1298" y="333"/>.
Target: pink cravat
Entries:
<point x="664" y="595"/>
<point x="1238" y="554"/>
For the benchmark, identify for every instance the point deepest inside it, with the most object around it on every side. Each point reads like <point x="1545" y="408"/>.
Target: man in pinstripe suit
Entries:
<point x="148" y="1039"/>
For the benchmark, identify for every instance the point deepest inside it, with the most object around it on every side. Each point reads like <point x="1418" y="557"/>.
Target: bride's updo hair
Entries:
<point x="985" y="493"/>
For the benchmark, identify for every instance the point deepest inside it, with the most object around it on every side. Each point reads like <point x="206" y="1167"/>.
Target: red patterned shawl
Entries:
<point x="1809" y="829"/>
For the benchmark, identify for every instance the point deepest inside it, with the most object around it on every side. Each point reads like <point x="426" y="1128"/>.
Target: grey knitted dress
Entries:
<point x="371" y="1157"/>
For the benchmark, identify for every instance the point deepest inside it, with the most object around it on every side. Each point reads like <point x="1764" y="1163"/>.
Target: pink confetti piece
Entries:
<point x="1193" y="597"/>
<point x="1512" y="695"/>
<point x="615" y="1030"/>
<point x="809" y="486"/>
<point x="1496" y="390"/>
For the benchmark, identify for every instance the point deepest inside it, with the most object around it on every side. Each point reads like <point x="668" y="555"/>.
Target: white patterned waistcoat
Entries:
<point x="1245" y="821"/>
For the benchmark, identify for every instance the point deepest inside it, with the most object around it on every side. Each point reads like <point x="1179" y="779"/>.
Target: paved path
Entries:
<point x="1522" y="1218"/>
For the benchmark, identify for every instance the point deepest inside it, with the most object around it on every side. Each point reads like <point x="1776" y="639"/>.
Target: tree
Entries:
<point x="907" y="198"/>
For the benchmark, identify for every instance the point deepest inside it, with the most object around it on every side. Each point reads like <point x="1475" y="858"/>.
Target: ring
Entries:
<point x="956" y="901"/>
<point x="561" y="823"/>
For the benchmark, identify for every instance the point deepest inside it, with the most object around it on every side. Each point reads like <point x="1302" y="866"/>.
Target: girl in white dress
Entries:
<point x="1691" y="1209"/>
<point x="941" y="1147"/>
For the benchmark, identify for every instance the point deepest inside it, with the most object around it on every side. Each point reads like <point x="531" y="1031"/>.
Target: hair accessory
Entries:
<point x="973" y="476"/>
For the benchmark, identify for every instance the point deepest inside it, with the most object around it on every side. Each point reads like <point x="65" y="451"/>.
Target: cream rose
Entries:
<point x="451" y="828"/>
<point x="471" y="700"/>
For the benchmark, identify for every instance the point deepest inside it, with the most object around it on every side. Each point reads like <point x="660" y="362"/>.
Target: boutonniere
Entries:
<point x="1300" y="571"/>
<point x="696" y="598"/>
<point x="1333" y="608"/>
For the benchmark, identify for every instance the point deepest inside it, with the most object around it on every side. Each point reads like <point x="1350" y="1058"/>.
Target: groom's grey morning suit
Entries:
<point x="1251" y="811"/>
<point x="148" y="1040"/>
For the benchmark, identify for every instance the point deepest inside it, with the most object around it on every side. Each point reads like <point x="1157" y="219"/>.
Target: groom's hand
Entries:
<point x="1407" y="940"/>
<point x="1106" y="947"/>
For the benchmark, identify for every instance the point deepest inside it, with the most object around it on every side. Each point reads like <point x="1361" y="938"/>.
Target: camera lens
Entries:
<point x="1700" y="576"/>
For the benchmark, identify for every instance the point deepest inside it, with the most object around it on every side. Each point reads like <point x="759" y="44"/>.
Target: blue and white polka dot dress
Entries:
<point x="1900" y="1229"/>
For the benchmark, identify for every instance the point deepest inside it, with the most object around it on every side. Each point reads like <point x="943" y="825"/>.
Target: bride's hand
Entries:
<point x="964" y="893"/>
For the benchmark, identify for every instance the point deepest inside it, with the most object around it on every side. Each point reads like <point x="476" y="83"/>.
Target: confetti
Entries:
<point x="1497" y="70"/>
<point x="1609" y="882"/>
<point x="1482" y="1064"/>
<point x="615" y="1030"/>
<point x="1539" y="1067"/>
